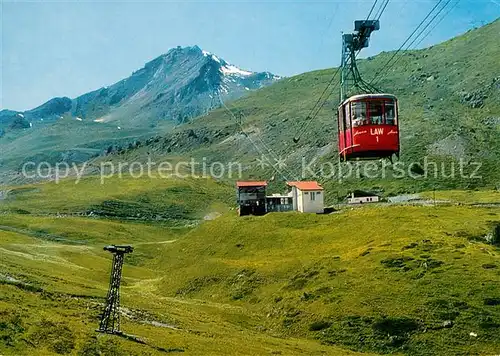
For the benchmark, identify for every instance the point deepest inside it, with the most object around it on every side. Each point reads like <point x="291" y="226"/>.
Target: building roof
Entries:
<point x="310" y="185"/>
<point x="241" y="184"/>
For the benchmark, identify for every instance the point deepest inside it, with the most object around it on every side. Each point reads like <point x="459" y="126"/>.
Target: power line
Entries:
<point x="405" y="42"/>
<point x="381" y="10"/>
<point x="437" y="23"/>
<point x="253" y="143"/>
<point x="313" y="112"/>
<point x="377" y="16"/>
<point x="271" y="152"/>
<point x="429" y="23"/>
<point x="319" y="99"/>
<point x="371" y="10"/>
<point x="416" y="37"/>
<point x="316" y="109"/>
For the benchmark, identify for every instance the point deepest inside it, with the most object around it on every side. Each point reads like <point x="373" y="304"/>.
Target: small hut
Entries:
<point x="307" y="197"/>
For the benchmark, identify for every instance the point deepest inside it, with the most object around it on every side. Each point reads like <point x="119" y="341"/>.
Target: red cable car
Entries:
<point x="368" y="127"/>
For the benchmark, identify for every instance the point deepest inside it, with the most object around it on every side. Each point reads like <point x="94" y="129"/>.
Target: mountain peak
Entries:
<point x="225" y="67"/>
<point x="177" y="85"/>
<point x="211" y="55"/>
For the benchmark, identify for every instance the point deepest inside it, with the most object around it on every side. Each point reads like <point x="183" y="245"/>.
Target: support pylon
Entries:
<point x="110" y="321"/>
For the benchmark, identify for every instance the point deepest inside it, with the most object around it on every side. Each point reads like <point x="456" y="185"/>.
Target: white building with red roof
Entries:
<point x="307" y="197"/>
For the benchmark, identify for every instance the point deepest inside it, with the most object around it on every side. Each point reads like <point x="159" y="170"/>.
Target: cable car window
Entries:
<point x="341" y="119"/>
<point x="347" y="121"/>
<point x="390" y="117"/>
<point x="347" y="113"/>
<point x="359" y="114"/>
<point x="376" y="109"/>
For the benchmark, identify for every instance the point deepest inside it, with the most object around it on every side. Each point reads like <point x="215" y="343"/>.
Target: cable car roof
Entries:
<point x="369" y="96"/>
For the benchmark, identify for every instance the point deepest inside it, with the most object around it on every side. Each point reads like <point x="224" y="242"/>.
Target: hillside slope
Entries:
<point x="338" y="279"/>
<point x="54" y="273"/>
<point x="410" y="280"/>
<point x="449" y="98"/>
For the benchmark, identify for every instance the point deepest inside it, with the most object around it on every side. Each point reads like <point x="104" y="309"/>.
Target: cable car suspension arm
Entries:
<point x="352" y="43"/>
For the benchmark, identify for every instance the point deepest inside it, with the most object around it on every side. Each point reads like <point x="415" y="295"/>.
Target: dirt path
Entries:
<point x="155" y="242"/>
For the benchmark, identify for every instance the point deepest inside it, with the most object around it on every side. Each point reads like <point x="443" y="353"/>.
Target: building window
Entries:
<point x="313" y="196"/>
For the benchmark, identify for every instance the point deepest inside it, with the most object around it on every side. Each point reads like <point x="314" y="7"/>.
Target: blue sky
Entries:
<point x="67" y="48"/>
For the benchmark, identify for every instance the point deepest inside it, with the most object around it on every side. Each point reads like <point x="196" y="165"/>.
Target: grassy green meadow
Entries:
<point x="378" y="279"/>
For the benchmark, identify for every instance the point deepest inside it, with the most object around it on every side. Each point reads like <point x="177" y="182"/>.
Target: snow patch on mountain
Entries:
<point x="213" y="56"/>
<point x="229" y="69"/>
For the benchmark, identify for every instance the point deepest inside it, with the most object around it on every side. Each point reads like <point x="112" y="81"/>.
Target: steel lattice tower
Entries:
<point x="110" y="321"/>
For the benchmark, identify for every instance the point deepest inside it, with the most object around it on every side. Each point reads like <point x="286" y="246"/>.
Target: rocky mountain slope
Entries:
<point x="171" y="89"/>
<point x="180" y="84"/>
